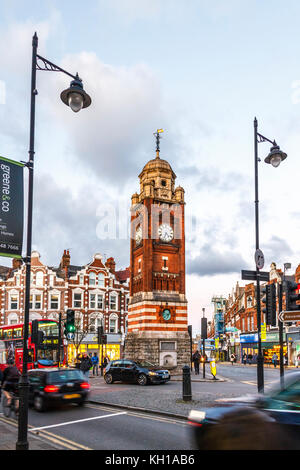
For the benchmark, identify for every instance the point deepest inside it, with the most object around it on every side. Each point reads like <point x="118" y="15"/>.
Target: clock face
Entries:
<point x="165" y="232"/>
<point x="166" y="314"/>
<point x="138" y="235"/>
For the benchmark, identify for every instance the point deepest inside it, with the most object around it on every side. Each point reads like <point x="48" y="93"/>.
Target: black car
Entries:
<point x="140" y="372"/>
<point x="260" y="422"/>
<point x="56" y="386"/>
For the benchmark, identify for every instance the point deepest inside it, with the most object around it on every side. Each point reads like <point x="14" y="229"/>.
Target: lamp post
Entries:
<point x="275" y="157"/>
<point x="76" y="98"/>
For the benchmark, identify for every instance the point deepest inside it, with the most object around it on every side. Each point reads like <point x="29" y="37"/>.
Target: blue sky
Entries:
<point x="199" y="69"/>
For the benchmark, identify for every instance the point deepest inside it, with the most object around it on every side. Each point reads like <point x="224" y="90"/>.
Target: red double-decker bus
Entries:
<point x="45" y="354"/>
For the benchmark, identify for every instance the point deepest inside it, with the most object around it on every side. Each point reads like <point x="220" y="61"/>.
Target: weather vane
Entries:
<point x="158" y="137"/>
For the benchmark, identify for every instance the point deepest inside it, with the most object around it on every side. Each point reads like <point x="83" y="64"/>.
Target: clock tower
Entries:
<point x="157" y="313"/>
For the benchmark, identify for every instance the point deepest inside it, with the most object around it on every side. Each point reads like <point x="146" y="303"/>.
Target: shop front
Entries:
<point x="293" y="343"/>
<point x="249" y="346"/>
<point x="270" y="345"/>
<point x="112" y="350"/>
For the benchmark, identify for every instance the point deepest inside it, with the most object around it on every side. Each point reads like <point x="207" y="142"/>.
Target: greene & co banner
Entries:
<point x="11" y="208"/>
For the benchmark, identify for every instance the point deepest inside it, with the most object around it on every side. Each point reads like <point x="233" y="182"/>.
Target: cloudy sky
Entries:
<point x="200" y="70"/>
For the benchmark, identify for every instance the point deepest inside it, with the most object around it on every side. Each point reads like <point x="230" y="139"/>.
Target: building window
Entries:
<point x="18" y="279"/>
<point x="101" y="280"/>
<point x="92" y="279"/>
<point x="51" y="279"/>
<point x="96" y="301"/>
<point x="81" y="279"/>
<point x="35" y="302"/>
<point x="126" y="303"/>
<point x="113" y="324"/>
<point x="14" y="301"/>
<point x="77" y="300"/>
<point x="54" y="302"/>
<point x="39" y="278"/>
<point x="113" y="302"/>
<point x="249" y="302"/>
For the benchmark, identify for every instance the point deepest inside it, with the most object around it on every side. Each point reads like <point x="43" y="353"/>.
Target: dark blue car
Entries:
<point x="265" y="422"/>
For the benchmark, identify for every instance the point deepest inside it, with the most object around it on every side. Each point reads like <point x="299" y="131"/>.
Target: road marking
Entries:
<point x="140" y="414"/>
<point x="78" y="421"/>
<point x="62" y="441"/>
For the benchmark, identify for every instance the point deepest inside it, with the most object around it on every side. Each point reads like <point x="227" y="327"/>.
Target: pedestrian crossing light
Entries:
<point x="70" y="323"/>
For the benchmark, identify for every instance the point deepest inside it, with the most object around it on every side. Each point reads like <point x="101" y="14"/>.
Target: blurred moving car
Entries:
<point x="261" y="422"/>
<point x="140" y="372"/>
<point x="56" y="386"/>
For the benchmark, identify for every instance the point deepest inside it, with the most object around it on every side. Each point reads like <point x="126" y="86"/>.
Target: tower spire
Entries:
<point x="158" y="137"/>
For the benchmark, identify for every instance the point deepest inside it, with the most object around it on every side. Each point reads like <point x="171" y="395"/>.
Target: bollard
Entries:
<point x="186" y="384"/>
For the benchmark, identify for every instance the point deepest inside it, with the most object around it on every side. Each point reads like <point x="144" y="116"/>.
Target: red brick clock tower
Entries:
<point x="157" y="314"/>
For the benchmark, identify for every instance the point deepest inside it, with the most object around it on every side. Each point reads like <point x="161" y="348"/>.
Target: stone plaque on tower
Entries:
<point x="157" y="313"/>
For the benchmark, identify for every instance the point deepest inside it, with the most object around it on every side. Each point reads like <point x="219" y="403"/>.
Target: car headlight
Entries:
<point x="152" y="373"/>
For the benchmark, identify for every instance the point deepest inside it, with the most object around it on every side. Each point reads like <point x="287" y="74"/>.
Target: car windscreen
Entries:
<point x="62" y="376"/>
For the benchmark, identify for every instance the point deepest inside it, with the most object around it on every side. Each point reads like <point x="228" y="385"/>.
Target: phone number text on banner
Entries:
<point x="11" y="208"/>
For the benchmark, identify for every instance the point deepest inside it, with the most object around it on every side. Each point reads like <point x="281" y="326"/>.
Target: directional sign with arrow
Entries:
<point x="289" y="316"/>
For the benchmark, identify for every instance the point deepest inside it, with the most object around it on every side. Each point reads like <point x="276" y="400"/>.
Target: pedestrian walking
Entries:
<point x="232" y="358"/>
<point x="85" y="365"/>
<point x="286" y="360"/>
<point x="196" y="360"/>
<point x="274" y="359"/>
<point x="95" y="362"/>
<point x="244" y="359"/>
<point x="78" y="361"/>
<point x="297" y="360"/>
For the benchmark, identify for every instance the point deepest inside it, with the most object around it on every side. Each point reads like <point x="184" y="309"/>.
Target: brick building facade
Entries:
<point x="96" y="291"/>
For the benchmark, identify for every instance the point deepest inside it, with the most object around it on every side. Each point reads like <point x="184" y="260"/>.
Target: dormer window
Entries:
<point x="163" y="183"/>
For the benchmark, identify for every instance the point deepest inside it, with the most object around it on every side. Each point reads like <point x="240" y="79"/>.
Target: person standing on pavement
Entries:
<point x="232" y="359"/>
<point x="85" y="365"/>
<point x="244" y="359"/>
<point x="95" y="361"/>
<point x="196" y="360"/>
<point x="274" y="359"/>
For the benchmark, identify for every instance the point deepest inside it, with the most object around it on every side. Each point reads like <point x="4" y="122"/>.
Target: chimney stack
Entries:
<point x="111" y="265"/>
<point x="66" y="258"/>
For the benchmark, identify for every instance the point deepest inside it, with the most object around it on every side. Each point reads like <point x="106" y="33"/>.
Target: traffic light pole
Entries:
<point x="59" y="339"/>
<point x="280" y="327"/>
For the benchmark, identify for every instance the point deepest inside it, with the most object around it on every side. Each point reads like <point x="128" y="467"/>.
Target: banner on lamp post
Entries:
<point x="11" y="208"/>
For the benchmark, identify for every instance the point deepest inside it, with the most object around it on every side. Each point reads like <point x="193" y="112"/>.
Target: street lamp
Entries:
<point x="275" y="157"/>
<point x="77" y="99"/>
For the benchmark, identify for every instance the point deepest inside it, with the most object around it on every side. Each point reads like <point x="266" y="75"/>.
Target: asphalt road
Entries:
<point x="97" y="427"/>
<point x="106" y="428"/>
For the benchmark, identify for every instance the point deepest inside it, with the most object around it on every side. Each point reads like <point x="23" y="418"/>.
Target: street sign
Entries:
<point x="259" y="259"/>
<point x="70" y="336"/>
<point x="289" y="316"/>
<point x="251" y="275"/>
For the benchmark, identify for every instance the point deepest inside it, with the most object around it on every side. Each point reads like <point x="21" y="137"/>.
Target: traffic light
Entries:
<point x="204" y="328"/>
<point x="270" y="301"/>
<point x="37" y="336"/>
<point x="70" y="323"/>
<point x="100" y="333"/>
<point x="291" y="296"/>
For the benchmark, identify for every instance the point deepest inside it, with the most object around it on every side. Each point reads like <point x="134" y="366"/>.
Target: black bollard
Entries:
<point x="186" y="384"/>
